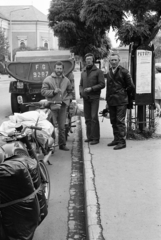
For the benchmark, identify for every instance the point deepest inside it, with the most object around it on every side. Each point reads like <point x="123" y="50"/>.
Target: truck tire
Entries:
<point x="23" y="108"/>
<point x="15" y="107"/>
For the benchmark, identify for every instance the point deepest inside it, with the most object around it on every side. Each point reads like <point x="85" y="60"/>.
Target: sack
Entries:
<point x="19" y="177"/>
<point x="21" y="219"/>
<point x="2" y="233"/>
<point x="76" y="109"/>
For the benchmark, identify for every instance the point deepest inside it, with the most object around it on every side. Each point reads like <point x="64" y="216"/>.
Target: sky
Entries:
<point x="43" y="6"/>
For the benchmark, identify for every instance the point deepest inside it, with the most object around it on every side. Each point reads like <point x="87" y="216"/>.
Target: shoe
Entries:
<point x="120" y="146"/>
<point x="94" y="142"/>
<point x="64" y="148"/>
<point x="87" y="140"/>
<point x="113" y="143"/>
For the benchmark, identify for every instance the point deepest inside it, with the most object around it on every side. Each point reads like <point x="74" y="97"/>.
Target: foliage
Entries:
<point x="143" y="27"/>
<point x="103" y="13"/>
<point x="157" y="52"/>
<point x="157" y="46"/>
<point x="73" y="32"/>
<point x="136" y="134"/>
<point x="81" y="24"/>
<point x="4" y="45"/>
<point x="141" y="32"/>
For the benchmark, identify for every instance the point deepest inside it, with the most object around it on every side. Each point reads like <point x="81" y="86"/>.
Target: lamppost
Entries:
<point x="11" y="27"/>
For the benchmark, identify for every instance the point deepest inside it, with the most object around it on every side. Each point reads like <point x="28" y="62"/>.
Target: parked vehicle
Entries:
<point x="25" y="183"/>
<point x="30" y="69"/>
<point x="24" y="143"/>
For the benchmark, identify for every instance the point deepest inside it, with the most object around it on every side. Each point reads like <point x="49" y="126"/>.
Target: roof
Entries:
<point x="30" y="14"/>
<point x="2" y="16"/>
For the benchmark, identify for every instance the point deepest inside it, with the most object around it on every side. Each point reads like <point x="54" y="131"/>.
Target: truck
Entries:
<point x="29" y="70"/>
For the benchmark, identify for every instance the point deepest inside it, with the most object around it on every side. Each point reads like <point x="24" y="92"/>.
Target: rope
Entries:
<point x="3" y="205"/>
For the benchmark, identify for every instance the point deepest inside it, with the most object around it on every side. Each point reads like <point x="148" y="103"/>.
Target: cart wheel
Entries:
<point x="15" y="107"/>
<point x="45" y="179"/>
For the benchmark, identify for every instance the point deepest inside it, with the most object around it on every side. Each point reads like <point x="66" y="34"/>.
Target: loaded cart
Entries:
<point x="29" y="75"/>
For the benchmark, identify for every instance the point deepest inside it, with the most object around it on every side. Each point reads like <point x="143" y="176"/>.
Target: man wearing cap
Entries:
<point x="91" y="83"/>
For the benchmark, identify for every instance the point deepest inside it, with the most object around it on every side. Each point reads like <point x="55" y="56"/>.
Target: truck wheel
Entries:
<point x="15" y="107"/>
<point x="23" y="108"/>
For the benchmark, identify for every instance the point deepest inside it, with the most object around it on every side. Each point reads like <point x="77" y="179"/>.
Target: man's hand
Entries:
<point x="107" y="107"/>
<point x="57" y="90"/>
<point x="88" y="89"/>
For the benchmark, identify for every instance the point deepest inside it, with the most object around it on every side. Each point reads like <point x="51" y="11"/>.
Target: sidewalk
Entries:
<point x="122" y="188"/>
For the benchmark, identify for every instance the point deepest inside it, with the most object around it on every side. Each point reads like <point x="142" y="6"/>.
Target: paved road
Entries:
<point x="55" y="225"/>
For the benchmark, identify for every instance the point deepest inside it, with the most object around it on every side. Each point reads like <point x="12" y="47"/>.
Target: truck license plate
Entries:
<point x="34" y="91"/>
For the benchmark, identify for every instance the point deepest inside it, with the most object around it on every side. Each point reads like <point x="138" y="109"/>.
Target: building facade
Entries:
<point x="25" y="26"/>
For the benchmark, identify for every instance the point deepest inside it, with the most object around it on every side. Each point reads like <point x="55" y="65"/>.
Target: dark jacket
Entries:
<point x="119" y="85"/>
<point x="95" y="79"/>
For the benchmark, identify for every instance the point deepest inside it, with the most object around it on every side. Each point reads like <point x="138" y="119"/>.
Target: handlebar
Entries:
<point x="36" y="128"/>
<point x="30" y="127"/>
<point x="42" y="104"/>
<point x="21" y="131"/>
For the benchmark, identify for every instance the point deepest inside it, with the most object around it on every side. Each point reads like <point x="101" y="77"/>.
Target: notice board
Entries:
<point x="144" y="91"/>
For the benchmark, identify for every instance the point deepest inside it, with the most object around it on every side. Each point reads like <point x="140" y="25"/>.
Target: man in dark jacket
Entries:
<point x="91" y="83"/>
<point x="119" y="85"/>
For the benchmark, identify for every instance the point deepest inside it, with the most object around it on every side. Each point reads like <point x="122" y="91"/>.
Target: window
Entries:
<point x="22" y="44"/>
<point x="22" y="41"/>
<point x="46" y="45"/>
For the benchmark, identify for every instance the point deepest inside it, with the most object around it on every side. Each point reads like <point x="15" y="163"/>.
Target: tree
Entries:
<point x="73" y="32"/>
<point x="142" y="29"/>
<point x="4" y="45"/>
<point x="157" y="46"/>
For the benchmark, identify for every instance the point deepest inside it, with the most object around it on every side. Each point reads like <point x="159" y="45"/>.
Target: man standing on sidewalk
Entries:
<point x="91" y="83"/>
<point x="57" y="87"/>
<point x="119" y="85"/>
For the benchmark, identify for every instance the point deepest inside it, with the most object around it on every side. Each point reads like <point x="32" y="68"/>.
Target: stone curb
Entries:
<point x="93" y="221"/>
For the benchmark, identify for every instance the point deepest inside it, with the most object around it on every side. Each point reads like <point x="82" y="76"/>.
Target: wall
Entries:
<point x="34" y="34"/>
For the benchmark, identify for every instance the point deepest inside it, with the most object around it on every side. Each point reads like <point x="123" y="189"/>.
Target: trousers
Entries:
<point x="117" y="119"/>
<point x="58" y="119"/>
<point x="91" y="107"/>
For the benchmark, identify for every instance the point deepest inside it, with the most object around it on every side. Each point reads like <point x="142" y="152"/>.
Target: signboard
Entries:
<point x="144" y="76"/>
<point x="143" y="71"/>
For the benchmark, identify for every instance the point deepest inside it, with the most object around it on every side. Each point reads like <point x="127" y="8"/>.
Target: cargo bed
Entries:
<point x="35" y="72"/>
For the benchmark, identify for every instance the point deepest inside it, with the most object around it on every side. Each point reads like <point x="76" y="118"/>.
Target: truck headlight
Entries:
<point x="20" y="85"/>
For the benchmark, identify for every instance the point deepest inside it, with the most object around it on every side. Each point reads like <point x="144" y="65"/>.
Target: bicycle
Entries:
<point x="29" y="146"/>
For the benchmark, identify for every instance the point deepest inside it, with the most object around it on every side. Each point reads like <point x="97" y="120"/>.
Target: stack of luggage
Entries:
<point x="22" y="201"/>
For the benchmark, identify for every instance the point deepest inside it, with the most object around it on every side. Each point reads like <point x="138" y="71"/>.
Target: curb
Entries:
<point x="93" y="221"/>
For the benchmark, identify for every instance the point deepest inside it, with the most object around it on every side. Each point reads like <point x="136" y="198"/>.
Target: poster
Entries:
<point x="143" y="71"/>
